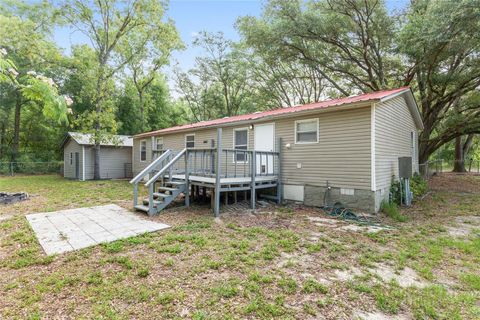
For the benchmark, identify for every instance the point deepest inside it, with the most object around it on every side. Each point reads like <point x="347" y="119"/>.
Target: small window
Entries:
<point x="159" y="144"/>
<point x="143" y="150"/>
<point x="306" y="131"/>
<point x="71" y="158"/>
<point x="240" y="142"/>
<point x="190" y="141"/>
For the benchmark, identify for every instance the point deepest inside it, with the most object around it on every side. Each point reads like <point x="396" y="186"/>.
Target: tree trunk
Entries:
<point x="459" y="164"/>
<point x="467" y="146"/>
<point x="2" y="139"/>
<point x="98" y="111"/>
<point x="142" y="111"/>
<point x="16" y="128"/>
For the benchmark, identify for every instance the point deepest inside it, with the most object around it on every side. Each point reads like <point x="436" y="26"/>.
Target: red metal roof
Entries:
<point x="377" y="95"/>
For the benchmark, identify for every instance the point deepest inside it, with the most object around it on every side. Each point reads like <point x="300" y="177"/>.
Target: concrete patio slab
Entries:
<point x="73" y="229"/>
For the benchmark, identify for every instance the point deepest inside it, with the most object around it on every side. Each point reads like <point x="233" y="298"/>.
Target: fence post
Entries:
<point x="11" y="169"/>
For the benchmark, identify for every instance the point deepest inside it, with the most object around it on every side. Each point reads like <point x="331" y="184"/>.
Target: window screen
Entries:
<point x="143" y="150"/>
<point x="190" y="141"/>
<point x="241" y="142"/>
<point x="159" y="144"/>
<point x="306" y="131"/>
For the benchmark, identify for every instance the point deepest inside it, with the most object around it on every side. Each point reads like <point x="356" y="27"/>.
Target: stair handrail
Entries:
<point x="151" y="166"/>
<point x="166" y="167"/>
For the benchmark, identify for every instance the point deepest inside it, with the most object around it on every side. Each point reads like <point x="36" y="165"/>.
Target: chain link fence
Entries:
<point x="38" y="167"/>
<point x="431" y="168"/>
<point x="434" y="167"/>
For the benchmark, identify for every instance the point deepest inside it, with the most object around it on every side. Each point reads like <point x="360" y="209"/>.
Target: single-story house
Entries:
<point x="78" y="157"/>
<point x="350" y="145"/>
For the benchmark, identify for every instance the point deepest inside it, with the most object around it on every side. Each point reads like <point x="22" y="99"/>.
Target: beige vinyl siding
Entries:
<point x="393" y="126"/>
<point x="69" y="170"/>
<point x="342" y="155"/>
<point x="112" y="162"/>
<point x="176" y="142"/>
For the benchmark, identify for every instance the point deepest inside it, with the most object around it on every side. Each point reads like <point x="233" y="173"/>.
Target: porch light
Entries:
<point x="250" y="127"/>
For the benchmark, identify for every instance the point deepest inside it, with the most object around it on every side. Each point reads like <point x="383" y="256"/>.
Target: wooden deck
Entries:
<point x="230" y="183"/>
<point x="192" y="172"/>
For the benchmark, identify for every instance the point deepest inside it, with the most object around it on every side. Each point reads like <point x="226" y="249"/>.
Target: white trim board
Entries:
<point x="372" y="148"/>
<point x="83" y="163"/>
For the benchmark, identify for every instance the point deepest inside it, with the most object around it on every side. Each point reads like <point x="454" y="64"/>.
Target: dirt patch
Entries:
<point x="376" y="315"/>
<point x="406" y="277"/>
<point x="347" y="275"/>
<point x="344" y="225"/>
<point x="452" y="182"/>
<point x="464" y="226"/>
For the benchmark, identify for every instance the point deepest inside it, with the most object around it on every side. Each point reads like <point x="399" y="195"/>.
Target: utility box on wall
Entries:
<point x="405" y="167"/>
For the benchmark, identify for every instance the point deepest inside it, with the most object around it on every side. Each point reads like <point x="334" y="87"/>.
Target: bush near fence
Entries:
<point x="13" y="168"/>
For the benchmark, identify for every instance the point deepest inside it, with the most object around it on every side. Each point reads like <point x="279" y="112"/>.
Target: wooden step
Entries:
<point x="167" y="189"/>
<point x="161" y="195"/>
<point x="155" y="202"/>
<point x="175" y="183"/>
<point x="141" y="208"/>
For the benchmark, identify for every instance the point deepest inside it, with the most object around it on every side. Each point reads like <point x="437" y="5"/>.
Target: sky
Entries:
<point x="193" y="16"/>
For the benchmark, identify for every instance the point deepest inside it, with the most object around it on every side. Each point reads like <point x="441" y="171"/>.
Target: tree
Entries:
<point x="357" y="46"/>
<point x="218" y="85"/>
<point x="158" y="108"/>
<point x="148" y="56"/>
<point x="110" y="25"/>
<point x="29" y="59"/>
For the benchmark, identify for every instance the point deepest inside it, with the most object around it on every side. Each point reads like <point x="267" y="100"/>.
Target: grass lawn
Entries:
<point x="280" y="263"/>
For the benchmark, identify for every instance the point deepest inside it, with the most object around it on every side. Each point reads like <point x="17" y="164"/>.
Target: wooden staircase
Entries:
<point x="163" y="197"/>
<point x="160" y="171"/>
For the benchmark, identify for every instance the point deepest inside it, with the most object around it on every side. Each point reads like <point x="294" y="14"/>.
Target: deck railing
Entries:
<point x="217" y="163"/>
<point x="233" y="163"/>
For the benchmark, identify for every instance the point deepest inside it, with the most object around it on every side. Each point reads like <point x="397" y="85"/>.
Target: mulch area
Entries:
<point x="454" y="182"/>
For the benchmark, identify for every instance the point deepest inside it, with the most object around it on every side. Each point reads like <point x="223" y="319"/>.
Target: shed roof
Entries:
<point x="376" y="96"/>
<point x="86" y="139"/>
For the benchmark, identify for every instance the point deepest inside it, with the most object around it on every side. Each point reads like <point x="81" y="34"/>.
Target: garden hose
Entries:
<point x="339" y="211"/>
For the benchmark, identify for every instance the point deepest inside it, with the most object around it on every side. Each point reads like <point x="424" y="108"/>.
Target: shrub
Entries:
<point x="418" y="185"/>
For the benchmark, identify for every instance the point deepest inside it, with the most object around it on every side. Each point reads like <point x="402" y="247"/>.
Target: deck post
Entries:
<point x="135" y="194"/>
<point x="253" y="172"/>
<point x="187" y="184"/>
<point x="279" y="175"/>
<point x="150" y="199"/>
<point x="218" y="173"/>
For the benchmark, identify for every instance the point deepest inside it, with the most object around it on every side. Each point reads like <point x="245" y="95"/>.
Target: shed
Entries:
<point x="78" y="157"/>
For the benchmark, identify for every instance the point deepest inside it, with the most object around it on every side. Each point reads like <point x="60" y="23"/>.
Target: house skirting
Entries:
<point x="314" y="196"/>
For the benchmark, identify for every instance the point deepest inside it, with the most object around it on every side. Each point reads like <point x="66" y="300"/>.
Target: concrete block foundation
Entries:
<point x="364" y="200"/>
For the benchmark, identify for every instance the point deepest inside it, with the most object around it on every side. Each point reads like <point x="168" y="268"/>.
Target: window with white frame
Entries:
<point x="159" y="143"/>
<point x="71" y="158"/>
<point x="190" y="141"/>
<point x="143" y="150"/>
<point x="240" y="141"/>
<point x="306" y="131"/>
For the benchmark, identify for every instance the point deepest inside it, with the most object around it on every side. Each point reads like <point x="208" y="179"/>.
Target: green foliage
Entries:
<point x="218" y="85"/>
<point x="418" y="185"/>
<point x="391" y="209"/>
<point x="359" y="46"/>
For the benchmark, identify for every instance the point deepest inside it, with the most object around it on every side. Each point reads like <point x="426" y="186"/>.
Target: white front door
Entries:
<point x="264" y="141"/>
